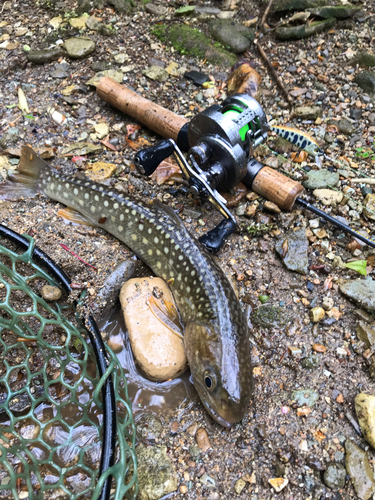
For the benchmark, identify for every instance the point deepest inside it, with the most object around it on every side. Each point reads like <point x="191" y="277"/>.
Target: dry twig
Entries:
<point x="274" y="74"/>
<point x="266" y="12"/>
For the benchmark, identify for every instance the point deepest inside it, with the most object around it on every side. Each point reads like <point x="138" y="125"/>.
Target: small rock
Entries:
<point x="156" y="474"/>
<point x="345" y="126"/>
<point x="207" y="481"/>
<point x="311" y="362"/>
<point x="308" y="112"/>
<point x="362" y="292"/>
<point x="365" y="410"/>
<point x="156" y="10"/>
<point x="366" y="80"/>
<point x="319" y="179"/>
<point x="319" y="348"/>
<point x="61" y="71"/>
<point x="328" y="197"/>
<point x="366" y="333"/>
<point x="268" y="316"/>
<point x="166" y="361"/>
<point x="149" y="427"/>
<point x="359" y="470"/>
<point x="79" y="47"/>
<point x="192" y="429"/>
<point x="121" y="58"/>
<point x="306" y="397"/>
<point x="156" y="73"/>
<point x="202" y="439"/>
<point x="334" y="476"/>
<point x="239" y="486"/>
<point x="272" y="162"/>
<point x="293" y="251"/>
<point x="327" y="303"/>
<point x="51" y="293"/>
<point x="278" y="483"/>
<point x="100" y="171"/>
<point x="271" y="207"/>
<point x="316" y="314"/>
<point x="369" y="204"/>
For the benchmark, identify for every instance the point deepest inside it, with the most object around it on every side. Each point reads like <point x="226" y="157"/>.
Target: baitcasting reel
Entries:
<point x="221" y="140"/>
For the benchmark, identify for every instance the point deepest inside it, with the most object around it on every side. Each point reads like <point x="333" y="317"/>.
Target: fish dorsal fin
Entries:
<point x="160" y="210"/>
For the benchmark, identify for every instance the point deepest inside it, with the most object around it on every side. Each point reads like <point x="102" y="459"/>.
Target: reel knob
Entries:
<point x="147" y="160"/>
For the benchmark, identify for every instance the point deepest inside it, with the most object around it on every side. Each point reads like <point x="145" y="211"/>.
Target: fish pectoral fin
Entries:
<point x="72" y="215"/>
<point x="166" y="313"/>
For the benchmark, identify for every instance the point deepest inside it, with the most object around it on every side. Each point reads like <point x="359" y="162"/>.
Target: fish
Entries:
<point x="215" y="337"/>
<point x="300" y="139"/>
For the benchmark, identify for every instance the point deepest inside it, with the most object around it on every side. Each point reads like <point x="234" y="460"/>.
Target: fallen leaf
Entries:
<point x="349" y="53"/>
<point x="319" y="436"/>
<point x="334" y="313"/>
<point x="46" y="153"/>
<point x="141" y="142"/>
<point x="79" y="158"/>
<point x="358" y="265"/>
<point x="22" y="102"/>
<point x="299" y="157"/>
<point x="101" y="130"/>
<point x="165" y="171"/>
<point x="79" y="22"/>
<point x="69" y="89"/>
<point x="303" y="412"/>
<point x="371" y="260"/>
<point x="340" y="398"/>
<point x="171" y="69"/>
<point x="107" y="144"/>
<point x="251" y="22"/>
<point x="244" y="80"/>
<point x="130" y="129"/>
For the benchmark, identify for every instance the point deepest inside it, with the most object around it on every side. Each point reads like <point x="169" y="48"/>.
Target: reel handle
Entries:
<point x="147" y="160"/>
<point x="215" y="239"/>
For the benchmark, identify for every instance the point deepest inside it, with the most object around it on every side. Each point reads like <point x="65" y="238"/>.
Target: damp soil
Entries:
<point x="272" y="440"/>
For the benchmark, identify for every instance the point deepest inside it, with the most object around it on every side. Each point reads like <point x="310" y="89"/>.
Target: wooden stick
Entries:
<point x="274" y="74"/>
<point x="266" y="12"/>
<point x="155" y="117"/>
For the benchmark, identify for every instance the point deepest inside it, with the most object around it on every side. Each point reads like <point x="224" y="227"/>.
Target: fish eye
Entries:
<point x="210" y="380"/>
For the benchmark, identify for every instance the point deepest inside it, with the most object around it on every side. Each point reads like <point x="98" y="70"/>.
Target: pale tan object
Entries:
<point x="158" y="351"/>
<point x="277" y="188"/>
<point x="160" y="120"/>
<point x="365" y="410"/>
<point x="202" y="439"/>
<point x="328" y="197"/>
<point x="316" y="314"/>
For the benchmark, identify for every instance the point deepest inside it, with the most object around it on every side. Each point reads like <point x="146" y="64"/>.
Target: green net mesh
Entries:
<point x="51" y="418"/>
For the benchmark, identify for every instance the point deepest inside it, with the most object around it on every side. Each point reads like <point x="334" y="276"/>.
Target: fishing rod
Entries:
<point x="219" y="143"/>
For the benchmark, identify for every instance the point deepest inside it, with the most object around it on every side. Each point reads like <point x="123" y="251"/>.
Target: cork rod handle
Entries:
<point x="277" y="188"/>
<point x="155" y="117"/>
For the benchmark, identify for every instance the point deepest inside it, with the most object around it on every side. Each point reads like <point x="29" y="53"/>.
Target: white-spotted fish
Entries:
<point x="299" y="138"/>
<point x="216" y="333"/>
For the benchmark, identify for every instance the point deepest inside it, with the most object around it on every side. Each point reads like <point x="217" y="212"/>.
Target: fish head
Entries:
<point x="221" y="370"/>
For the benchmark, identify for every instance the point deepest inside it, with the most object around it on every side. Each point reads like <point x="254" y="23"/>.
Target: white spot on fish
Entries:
<point x="134" y="237"/>
<point x="93" y="209"/>
<point x="156" y="240"/>
<point x="120" y="228"/>
<point x="106" y="203"/>
<point x="75" y="191"/>
<point x="115" y="206"/>
<point x="158" y="264"/>
<point x="121" y="217"/>
<point x="149" y="251"/>
<point x="87" y="196"/>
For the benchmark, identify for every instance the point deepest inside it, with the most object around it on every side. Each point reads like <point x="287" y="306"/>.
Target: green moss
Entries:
<point x="192" y="42"/>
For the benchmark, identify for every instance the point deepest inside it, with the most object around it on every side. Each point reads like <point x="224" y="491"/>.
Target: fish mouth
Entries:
<point x="214" y="414"/>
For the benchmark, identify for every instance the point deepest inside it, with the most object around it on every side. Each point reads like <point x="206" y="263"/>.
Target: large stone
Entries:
<point x="192" y="42"/>
<point x="79" y="47"/>
<point x="319" y="179"/>
<point x="363" y="59"/>
<point x="293" y="251"/>
<point x="304" y="30"/>
<point x="234" y="35"/>
<point x="334" y="476"/>
<point x="366" y="80"/>
<point x="366" y="334"/>
<point x="365" y="410"/>
<point x="157" y="349"/>
<point x="328" y="197"/>
<point x="362" y="292"/>
<point x="369" y="204"/>
<point x="337" y="11"/>
<point x="359" y="470"/>
<point x="156" y="474"/>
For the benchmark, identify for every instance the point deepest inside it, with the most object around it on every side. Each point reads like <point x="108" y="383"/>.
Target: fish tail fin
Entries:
<point x="24" y="182"/>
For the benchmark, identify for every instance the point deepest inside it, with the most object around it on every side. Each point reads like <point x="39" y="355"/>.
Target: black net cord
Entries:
<point x="108" y="394"/>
